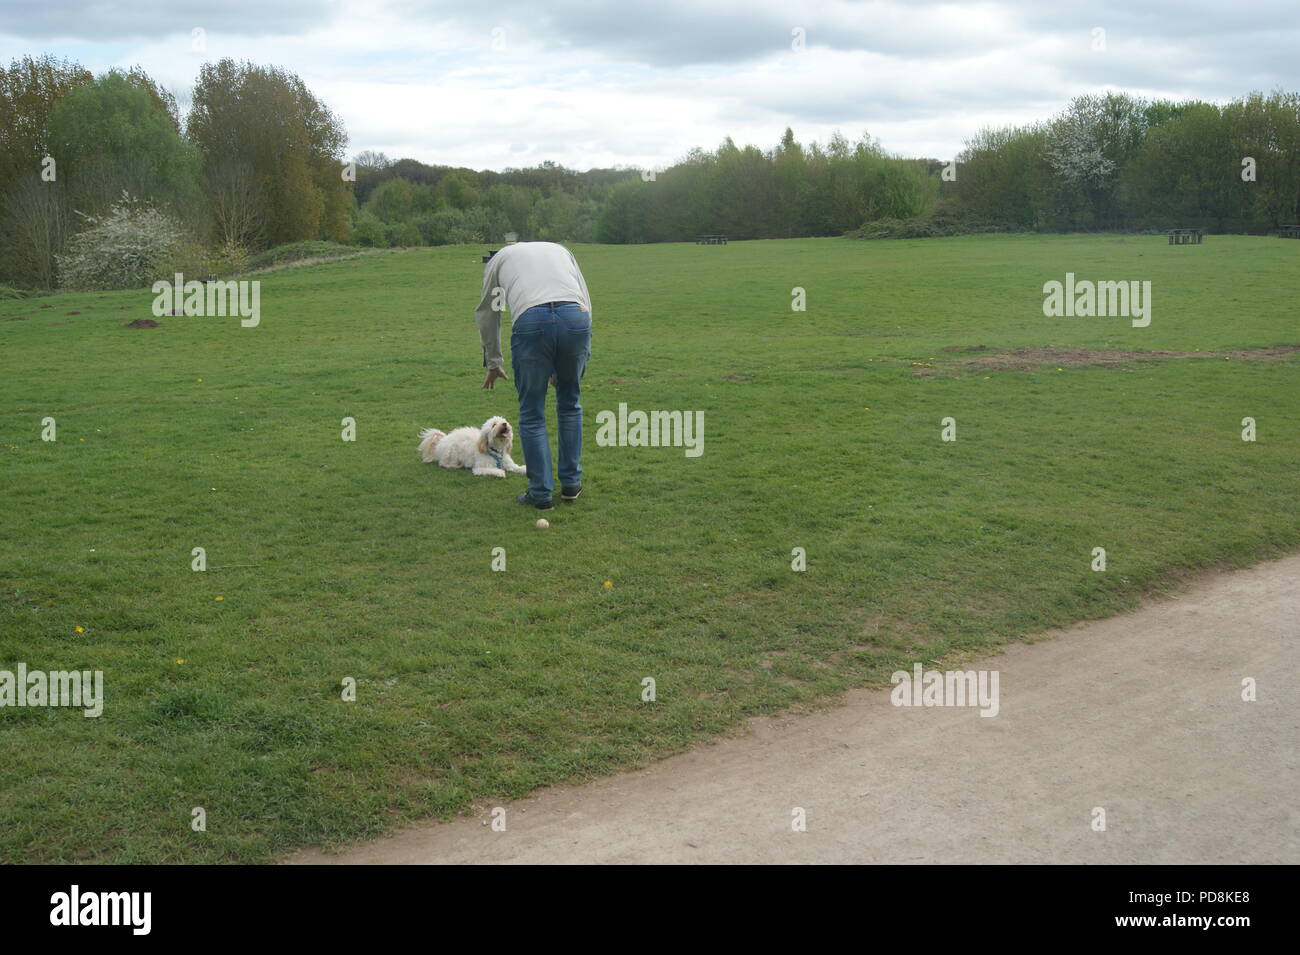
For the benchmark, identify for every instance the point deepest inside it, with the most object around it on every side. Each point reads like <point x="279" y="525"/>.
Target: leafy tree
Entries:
<point x="457" y="191"/>
<point x="115" y="134"/>
<point x="33" y="210"/>
<point x="622" y="219"/>
<point x="30" y="89"/>
<point x="996" y="173"/>
<point x="289" y="143"/>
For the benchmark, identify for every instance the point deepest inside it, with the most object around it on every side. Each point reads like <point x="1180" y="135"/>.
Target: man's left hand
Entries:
<point x="493" y="376"/>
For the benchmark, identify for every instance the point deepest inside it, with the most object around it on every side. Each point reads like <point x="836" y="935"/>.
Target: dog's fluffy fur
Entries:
<point x="469" y="448"/>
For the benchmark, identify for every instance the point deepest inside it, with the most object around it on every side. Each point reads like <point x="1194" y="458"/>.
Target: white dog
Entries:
<point x="486" y="449"/>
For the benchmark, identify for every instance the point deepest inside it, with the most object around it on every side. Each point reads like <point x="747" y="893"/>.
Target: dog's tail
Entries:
<point x="429" y="439"/>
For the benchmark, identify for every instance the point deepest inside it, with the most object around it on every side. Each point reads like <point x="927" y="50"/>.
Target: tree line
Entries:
<point x="1120" y="162"/>
<point x="1106" y="162"/>
<point x="94" y="170"/>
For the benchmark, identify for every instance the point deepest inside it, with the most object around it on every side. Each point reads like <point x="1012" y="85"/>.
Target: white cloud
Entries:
<point x="587" y="83"/>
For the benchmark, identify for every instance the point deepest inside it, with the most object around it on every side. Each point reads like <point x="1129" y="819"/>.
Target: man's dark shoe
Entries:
<point x="527" y="498"/>
<point x="570" y="494"/>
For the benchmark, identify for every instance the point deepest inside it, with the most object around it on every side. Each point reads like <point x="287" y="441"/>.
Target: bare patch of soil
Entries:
<point x="1027" y="359"/>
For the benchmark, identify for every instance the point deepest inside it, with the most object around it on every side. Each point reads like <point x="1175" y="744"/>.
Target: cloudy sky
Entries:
<point x="630" y="83"/>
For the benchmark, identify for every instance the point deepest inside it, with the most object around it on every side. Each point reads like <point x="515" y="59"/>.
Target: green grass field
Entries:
<point x="330" y="560"/>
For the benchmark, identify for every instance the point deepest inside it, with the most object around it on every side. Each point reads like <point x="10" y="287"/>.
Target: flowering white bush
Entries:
<point x="121" y="249"/>
<point x="1075" y="144"/>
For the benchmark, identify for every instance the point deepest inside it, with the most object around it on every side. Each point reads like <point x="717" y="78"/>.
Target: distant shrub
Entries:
<point x="186" y="255"/>
<point x="404" y="234"/>
<point x="442" y="227"/>
<point x="941" y="222"/>
<point x="889" y="228"/>
<point x="368" y="231"/>
<point x="296" y="251"/>
<point x="429" y="229"/>
<point x="196" y="260"/>
<point x="475" y="227"/>
<point x="9" y="292"/>
<point x="447" y="226"/>
<point x="229" y="259"/>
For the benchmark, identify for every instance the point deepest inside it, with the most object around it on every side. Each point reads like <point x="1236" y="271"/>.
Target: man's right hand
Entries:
<point x="493" y="376"/>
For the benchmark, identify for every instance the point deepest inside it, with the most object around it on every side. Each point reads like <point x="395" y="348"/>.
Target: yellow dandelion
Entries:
<point x="220" y="598"/>
<point x="81" y="630"/>
<point x="609" y="585"/>
<point x="179" y="660"/>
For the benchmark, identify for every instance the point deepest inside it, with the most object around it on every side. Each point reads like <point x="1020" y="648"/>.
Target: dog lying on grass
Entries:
<point x="486" y="450"/>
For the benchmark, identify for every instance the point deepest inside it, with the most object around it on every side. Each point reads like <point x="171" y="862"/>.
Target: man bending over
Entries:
<point x="550" y="341"/>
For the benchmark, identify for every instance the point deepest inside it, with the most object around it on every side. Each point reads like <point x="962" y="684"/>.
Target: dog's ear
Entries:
<point x="483" y="441"/>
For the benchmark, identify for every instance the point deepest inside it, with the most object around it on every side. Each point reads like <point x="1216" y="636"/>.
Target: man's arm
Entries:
<point x="488" y="318"/>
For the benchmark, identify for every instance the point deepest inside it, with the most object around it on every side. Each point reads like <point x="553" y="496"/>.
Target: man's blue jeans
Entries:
<point x="552" y="339"/>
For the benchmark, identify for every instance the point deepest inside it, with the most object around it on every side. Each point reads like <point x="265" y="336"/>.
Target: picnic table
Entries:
<point x="1186" y="236"/>
<point x="710" y="240"/>
<point x="1289" y="231"/>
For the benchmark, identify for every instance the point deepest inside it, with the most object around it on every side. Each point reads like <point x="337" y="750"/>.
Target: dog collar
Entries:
<point x="495" y="456"/>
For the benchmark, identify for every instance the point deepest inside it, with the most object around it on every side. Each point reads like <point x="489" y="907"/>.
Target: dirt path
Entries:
<point x="1140" y="714"/>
